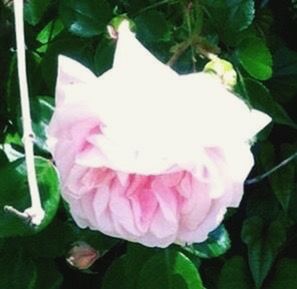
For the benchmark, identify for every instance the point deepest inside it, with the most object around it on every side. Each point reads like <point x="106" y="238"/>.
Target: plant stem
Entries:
<point x="35" y="213"/>
<point x="268" y="173"/>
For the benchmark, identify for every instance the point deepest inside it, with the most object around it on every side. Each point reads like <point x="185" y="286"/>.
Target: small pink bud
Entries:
<point x="112" y="32"/>
<point x="82" y="256"/>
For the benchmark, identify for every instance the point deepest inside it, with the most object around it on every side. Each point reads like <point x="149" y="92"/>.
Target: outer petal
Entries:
<point x="218" y="115"/>
<point x="70" y="72"/>
<point x="132" y="58"/>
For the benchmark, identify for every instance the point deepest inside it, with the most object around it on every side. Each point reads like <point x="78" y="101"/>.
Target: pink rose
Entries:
<point x="148" y="155"/>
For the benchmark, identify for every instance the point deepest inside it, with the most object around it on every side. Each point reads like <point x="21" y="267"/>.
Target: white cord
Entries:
<point x="35" y="213"/>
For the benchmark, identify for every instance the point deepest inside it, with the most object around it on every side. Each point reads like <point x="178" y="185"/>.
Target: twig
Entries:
<point x="155" y="5"/>
<point x="179" y="51"/>
<point x="35" y="213"/>
<point x="268" y="173"/>
<point x="194" y="41"/>
<point x="207" y="54"/>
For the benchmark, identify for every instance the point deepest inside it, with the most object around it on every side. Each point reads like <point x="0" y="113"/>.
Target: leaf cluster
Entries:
<point x="255" y="248"/>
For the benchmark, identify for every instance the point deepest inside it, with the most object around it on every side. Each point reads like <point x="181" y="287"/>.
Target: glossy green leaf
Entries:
<point x="259" y="97"/>
<point x="13" y="147"/>
<point x="264" y="243"/>
<point x="48" y="33"/>
<point x="217" y="244"/>
<point x="235" y="275"/>
<point x="174" y="269"/>
<point x="14" y="192"/>
<point x="12" y="88"/>
<point x="230" y="17"/>
<point x="121" y="273"/>
<point x="136" y="257"/>
<point x="34" y="10"/>
<point x="85" y="18"/>
<point x="42" y="109"/>
<point x="152" y="26"/>
<point x="104" y="56"/>
<point x="255" y="57"/>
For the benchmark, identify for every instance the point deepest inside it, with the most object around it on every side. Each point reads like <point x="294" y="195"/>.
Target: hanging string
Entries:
<point x="35" y="213"/>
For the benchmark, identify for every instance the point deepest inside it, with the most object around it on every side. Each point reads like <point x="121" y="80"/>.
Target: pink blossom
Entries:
<point x="148" y="155"/>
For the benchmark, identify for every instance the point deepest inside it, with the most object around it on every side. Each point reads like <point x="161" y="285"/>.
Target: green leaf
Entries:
<point x="48" y="277"/>
<point x="235" y="275"/>
<point x="264" y="204"/>
<point x="264" y="243"/>
<point x="98" y="241"/>
<point x="85" y="18"/>
<point x="42" y="109"/>
<point x="283" y="83"/>
<point x="136" y="256"/>
<point x="283" y="180"/>
<point x="38" y="245"/>
<point x="267" y="155"/>
<point x="17" y="271"/>
<point x="14" y="192"/>
<point x="3" y="157"/>
<point x="284" y="275"/>
<point x="217" y="244"/>
<point x="121" y="273"/>
<point x="34" y="10"/>
<point x="115" y="276"/>
<point x="13" y="147"/>
<point x="285" y="61"/>
<point x="152" y="26"/>
<point x="48" y="33"/>
<point x="175" y="271"/>
<point x="255" y="57"/>
<point x="230" y="16"/>
<point x="104" y="56"/>
<point x="258" y="96"/>
<point x="68" y="45"/>
<point x="12" y="87"/>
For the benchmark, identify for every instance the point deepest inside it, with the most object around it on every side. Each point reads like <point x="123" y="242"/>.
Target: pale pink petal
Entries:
<point x="121" y="209"/>
<point x="161" y="227"/>
<point x="144" y="206"/>
<point x="70" y="73"/>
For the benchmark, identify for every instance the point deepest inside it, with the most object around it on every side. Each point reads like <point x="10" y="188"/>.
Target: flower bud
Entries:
<point x="224" y="70"/>
<point x="82" y="256"/>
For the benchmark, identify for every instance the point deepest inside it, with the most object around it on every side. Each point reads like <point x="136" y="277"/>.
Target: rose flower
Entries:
<point x="148" y="155"/>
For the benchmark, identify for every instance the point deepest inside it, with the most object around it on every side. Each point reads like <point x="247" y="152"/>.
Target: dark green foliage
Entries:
<point x="256" y="245"/>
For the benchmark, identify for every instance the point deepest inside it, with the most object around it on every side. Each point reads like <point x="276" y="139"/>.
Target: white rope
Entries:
<point x="35" y="213"/>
